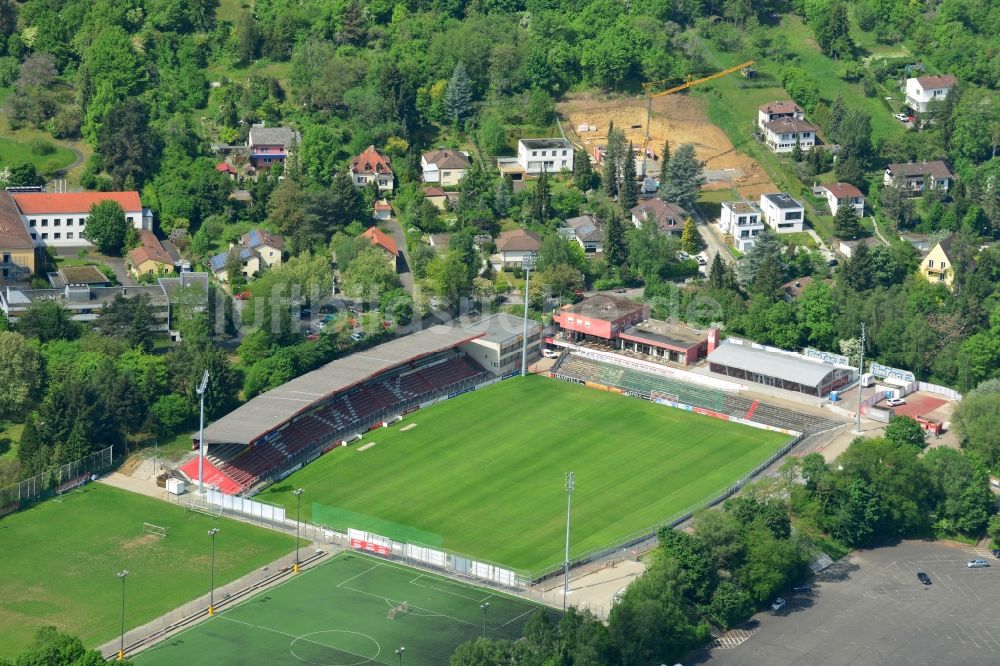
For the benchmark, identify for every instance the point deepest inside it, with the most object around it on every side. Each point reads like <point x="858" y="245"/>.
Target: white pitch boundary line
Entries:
<point x="514" y="619"/>
<point x="301" y="638"/>
<point x="438" y="589"/>
<point x="390" y="602"/>
<point x="344" y="582"/>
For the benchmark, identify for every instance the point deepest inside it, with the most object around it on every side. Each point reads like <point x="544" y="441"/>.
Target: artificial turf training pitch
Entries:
<point x="337" y="614"/>
<point x="59" y="560"/>
<point x="485" y="470"/>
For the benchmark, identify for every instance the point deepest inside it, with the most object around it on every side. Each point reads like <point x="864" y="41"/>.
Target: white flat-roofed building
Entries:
<point x="743" y="221"/>
<point x="499" y="348"/>
<point x="782" y="213"/>
<point x="549" y="155"/>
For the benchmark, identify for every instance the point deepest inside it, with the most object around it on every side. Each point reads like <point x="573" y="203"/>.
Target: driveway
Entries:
<point x="713" y="243"/>
<point x="869" y="608"/>
<point x="403" y="265"/>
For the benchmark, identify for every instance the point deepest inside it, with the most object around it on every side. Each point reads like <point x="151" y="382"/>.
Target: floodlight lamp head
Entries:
<point x="570" y="481"/>
<point x="528" y="262"/>
<point x="298" y="491"/>
<point x="204" y="384"/>
<point x="122" y="574"/>
<point x="212" y="532"/>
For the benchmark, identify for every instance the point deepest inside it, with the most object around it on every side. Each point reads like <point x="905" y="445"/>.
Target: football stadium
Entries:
<point x="429" y="449"/>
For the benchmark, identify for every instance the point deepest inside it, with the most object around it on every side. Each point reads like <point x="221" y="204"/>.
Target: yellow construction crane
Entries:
<point x="744" y="67"/>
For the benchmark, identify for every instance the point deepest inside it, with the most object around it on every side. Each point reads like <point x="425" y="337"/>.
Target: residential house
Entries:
<point x="782" y="213"/>
<point x="17" y="248"/>
<point x="588" y="232"/>
<point x="59" y="219"/>
<point x="436" y="196"/>
<point x="842" y="194"/>
<point x="777" y="110"/>
<point x="742" y="220"/>
<point x="249" y="258"/>
<point x="783" y="134"/>
<point x="794" y="288"/>
<point x="150" y="258"/>
<point x="226" y="168"/>
<point x="371" y="166"/>
<point x="939" y="266"/>
<point x="446" y="167"/>
<point x="668" y="217"/>
<point x="847" y="247"/>
<point x="921" y="91"/>
<point x="920" y="176"/>
<point x="549" y="155"/>
<point x="514" y="246"/>
<point x="383" y="241"/>
<point x="269" y="146"/>
<point x="270" y="247"/>
<point x="383" y="210"/>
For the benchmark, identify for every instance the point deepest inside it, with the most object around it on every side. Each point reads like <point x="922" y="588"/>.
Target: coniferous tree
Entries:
<point x="690" y="238"/>
<point x="615" y="249"/>
<point x="583" y="173"/>
<point x="458" y="95"/>
<point x="614" y="151"/>
<point x="767" y="244"/>
<point x="628" y="193"/>
<point x="846" y="223"/>
<point x="717" y="273"/>
<point x="683" y="178"/>
<point x="666" y="154"/>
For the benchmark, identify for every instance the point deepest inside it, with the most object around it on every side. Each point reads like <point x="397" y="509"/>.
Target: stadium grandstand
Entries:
<point x="288" y="426"/>
<point x="576" y="368"/>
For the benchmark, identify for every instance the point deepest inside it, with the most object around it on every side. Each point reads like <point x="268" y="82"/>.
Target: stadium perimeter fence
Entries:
<point x="55" y="481"/>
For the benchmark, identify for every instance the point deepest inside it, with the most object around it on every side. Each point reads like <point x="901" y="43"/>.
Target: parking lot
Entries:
<point x="869" y="608"/>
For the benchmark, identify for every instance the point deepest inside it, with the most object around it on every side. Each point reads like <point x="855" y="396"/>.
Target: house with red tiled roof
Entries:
<point x="778" y="109"/>
<point x="150" y="258"/>
<point x="383" y="210"/>
<point x="842" y="194"/>
<point x="371" y="166"/>
<point x="59" y="219"/>
<point x="384" y="241"/>
<point x="226" y="168"/>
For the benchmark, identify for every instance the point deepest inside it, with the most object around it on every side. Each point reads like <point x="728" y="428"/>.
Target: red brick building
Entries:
<point x="600" y="318"/>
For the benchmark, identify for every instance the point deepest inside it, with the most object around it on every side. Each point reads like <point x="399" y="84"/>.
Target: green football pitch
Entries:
<point x="59" y="559"/>
<point x="483" y="474"/>
<point x="338" y="615"/>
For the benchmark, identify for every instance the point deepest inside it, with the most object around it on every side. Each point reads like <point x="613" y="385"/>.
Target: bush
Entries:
<point x="607" y="283"/>
<point x="41" y="147"/>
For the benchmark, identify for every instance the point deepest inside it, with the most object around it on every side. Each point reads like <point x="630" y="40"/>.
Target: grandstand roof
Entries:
<point x="501" y="327"/>
<point x="269" y="410"/>
<point x="671" y="334"/>
<point x="772" y="364"/>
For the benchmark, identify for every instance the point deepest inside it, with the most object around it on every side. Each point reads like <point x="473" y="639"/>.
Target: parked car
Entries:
<point x="803" y="589"/>
<point x="621" y="290"/>
<point x="895" y="402"/>
<point x="778" y="604"/>
<point x="977" y="564"/>
<point x="550" y="353"/>
<point x="305" y="313"/>
<point x="996" y="554"/>
<point x="924" y="578"/>
<point x="243" y="296"/>
<point x="702" y="261"/>
<point x="356" y="337"/>
<point x="312" y="337"/>
<point x="902" y="117"/>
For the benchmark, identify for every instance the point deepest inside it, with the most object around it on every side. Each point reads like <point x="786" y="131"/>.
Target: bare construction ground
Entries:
<point x="677" y="118"/>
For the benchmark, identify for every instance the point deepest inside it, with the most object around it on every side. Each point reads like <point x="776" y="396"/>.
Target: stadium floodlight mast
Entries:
<point x="121" y="650"/>
<point x="485" y="608"/>
<point x="570" y="485"/>
<point x="211" y="590"/>
<point x="298" y="511"/>
<point x="202" y="387"/>
<point x="861" y="371"/>
<point x="399" y="653"/>
<point x="527" y="263"/>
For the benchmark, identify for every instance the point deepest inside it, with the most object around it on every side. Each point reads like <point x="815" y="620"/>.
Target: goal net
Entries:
<point x="156" y="530"/>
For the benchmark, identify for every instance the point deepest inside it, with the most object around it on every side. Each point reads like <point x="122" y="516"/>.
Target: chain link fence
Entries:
<point x="55" y="481"/>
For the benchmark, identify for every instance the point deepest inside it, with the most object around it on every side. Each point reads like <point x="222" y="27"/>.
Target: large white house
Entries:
<point x="843" y="194"/>
<point x="920" y="92"/>
<point x="741" y="220"/>
<point x="549" y="155"/>
<point x="372" y="166"/>
<point x="783" y="134"/>
<point x="782" y="213"/>
<point x="777" y="110"/>
<point x="58" y="219"/>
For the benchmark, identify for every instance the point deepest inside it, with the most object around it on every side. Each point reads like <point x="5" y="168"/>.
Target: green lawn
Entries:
<point x="9" y="437"/>
<point x="13" y="152"/>
<point x="337" y="613"/>
<point x="58" y="562"/>
<point x="484" y="471"/>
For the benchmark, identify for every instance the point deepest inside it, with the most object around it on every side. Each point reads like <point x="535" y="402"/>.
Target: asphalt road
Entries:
<point x="403" y="266"/>
<point x="870" y="609"/>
